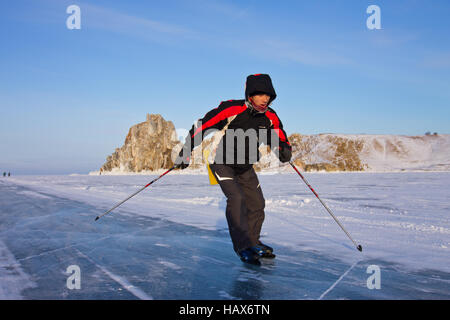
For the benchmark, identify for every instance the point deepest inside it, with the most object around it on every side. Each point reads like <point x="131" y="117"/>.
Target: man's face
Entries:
<point x="260" y="101"/>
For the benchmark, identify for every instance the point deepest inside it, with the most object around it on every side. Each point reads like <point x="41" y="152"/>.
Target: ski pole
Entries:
<point x="98" y="217"/>
<point x="358" y="246"/>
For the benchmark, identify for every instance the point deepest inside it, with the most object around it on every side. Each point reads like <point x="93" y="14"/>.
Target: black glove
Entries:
<point x="285" y="153"/>
<point x="183" y="159"/>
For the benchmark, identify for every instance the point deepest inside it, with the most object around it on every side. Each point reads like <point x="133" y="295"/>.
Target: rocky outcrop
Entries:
<point x="328" y="152"/>
<point x="148" y="146"/>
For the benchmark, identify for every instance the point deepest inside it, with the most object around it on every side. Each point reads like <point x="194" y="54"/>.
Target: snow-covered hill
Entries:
<point x="373" y="152"/>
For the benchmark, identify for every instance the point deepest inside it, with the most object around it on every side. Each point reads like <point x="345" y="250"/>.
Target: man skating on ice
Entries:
<point x="245" y="125"/>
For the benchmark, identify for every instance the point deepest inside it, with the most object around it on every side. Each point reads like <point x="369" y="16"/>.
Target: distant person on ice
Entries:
<point x="245" y="125"/>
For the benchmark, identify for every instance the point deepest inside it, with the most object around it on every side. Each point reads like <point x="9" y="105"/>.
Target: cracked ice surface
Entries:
<point x="171" y="240"/>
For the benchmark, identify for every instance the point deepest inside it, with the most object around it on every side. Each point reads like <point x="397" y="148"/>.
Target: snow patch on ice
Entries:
<point x="13" y="279"/>
<point x="226" y="295"/>
<point x="169" y="265"/>
<point x="162" y="245"/>
<point x="33" y="194"/>
<point x="199" y="200"/>
<point x="278" y="203"/>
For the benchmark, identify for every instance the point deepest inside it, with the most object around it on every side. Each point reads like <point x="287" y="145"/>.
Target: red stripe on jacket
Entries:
<point x="276" y="125"/>
<point x="228" y="112"/>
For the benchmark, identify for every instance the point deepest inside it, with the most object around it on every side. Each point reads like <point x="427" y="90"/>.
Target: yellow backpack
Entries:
<point x="212" y="178"/>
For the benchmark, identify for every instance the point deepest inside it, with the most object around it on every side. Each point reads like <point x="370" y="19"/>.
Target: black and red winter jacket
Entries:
<point x="256" y="128"/>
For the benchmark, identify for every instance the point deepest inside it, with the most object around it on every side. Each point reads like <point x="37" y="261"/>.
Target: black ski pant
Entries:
<point x="245" y="204"/>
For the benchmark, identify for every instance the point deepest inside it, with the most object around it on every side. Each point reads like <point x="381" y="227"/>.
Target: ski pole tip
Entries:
<point x="96" y="218"/>
<point x="359" y="248"/>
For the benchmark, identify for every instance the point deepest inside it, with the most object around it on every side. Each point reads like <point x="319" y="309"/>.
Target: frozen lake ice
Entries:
<point x="171" y="241"/>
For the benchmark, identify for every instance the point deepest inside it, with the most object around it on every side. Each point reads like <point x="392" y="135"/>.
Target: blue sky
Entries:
<point x="69" y="97"/>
